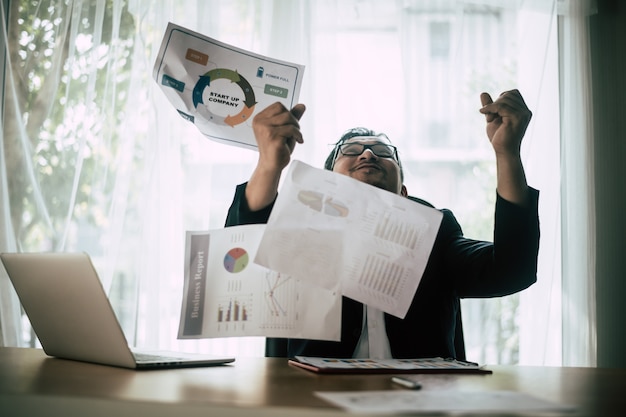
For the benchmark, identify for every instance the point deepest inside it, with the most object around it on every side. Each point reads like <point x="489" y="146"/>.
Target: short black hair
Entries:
<point x="352" y="133"/>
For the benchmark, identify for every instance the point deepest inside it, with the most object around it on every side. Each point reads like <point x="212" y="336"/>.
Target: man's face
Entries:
<point x="376" y="166"/>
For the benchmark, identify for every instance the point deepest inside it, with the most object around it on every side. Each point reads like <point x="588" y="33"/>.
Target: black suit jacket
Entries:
<point x="458" y="267"/>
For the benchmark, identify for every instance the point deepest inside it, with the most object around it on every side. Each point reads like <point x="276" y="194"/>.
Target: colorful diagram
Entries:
<point x="233" y="310"/>
<point x="335" y="208"/>
<point x="219" y="87"/>
<point x="247" y="106"/>
<point x="280" y="301"/>
<point x="311" y="199"/>
<point x="236" y="260"/>
<point x="328" y="205"/>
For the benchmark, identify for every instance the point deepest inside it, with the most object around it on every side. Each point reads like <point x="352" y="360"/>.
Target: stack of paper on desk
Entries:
<point x="386" y="366"/>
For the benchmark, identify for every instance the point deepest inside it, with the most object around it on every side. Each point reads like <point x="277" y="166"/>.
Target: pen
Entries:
<point x="406" y="382"/>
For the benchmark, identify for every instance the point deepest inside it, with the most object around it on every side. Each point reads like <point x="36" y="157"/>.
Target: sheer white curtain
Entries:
<point x="109" y="167"/>
<point x="9" y="305"/>
<point x="189" y="180"/>
<point x="577" y="198"/>
<point x="95" y="159"/>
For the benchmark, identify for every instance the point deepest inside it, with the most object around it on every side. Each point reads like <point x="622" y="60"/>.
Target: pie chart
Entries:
<point x="236" y="260"/>
<point x="311" y="199"/>
<point x="326" y="205"/>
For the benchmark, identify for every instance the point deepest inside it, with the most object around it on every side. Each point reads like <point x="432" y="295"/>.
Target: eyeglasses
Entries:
<point x="381" y="150"/>
<point x="355" y="145"/>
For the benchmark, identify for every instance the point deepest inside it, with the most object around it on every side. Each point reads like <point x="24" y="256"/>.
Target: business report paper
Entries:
<point x="226" y="294"/>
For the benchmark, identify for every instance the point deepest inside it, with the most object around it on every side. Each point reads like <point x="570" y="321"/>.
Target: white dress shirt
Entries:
<point x="374" y="342"/>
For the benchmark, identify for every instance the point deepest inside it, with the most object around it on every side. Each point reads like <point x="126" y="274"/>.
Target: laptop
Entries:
<point x="70" y="312"/>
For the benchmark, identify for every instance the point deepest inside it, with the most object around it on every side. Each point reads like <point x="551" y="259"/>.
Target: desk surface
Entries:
<point x="32" y="384"/>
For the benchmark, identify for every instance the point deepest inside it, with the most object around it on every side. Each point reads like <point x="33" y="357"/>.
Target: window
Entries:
<point x="99" y="160"/>
<point x="439" y="39"/>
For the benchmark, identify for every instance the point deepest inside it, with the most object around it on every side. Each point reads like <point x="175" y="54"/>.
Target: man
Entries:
<point x="457" y="268"/>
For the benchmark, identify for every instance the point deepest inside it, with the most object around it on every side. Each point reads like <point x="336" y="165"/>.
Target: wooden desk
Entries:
<point x="32" y="384"/>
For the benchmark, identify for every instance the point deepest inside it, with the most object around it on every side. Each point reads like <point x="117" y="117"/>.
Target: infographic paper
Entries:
<point x="227" y="295"/>
<point x="219" y="87"/>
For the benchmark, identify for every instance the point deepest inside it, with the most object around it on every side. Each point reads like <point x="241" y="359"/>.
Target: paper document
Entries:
<point x="441" y="401"/>
<point x="226" y="294"/>
<point x="327" y="228"/>
<point x="370" y="365"/>
<point x="219" y="87"/>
